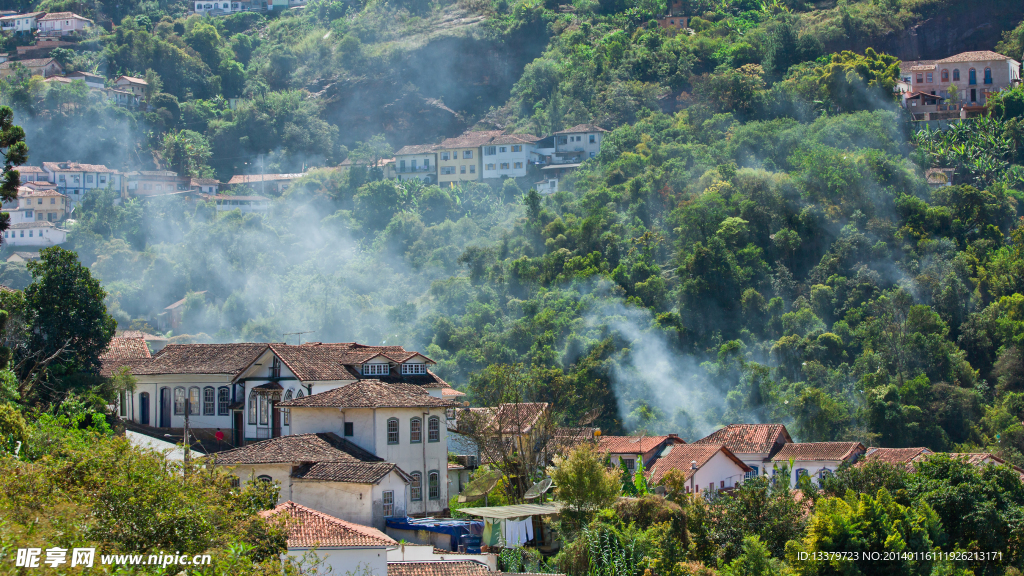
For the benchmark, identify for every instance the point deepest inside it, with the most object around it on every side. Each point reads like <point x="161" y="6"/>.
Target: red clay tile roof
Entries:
<point x="977" y="56"/>
<point x="370" y="394"/>
<point x="456" y="568"/>
<point x="201" y="359"/>
<point x="308" y="528"/>
<point x="682" y="455"/>
<point x="748" y="438"/>
<point x="313" y="363"/>
<point x="354" y="472"/>
<point x="39" y="191"/>
<point x="632" y="444"/>
<point x="518" y="417"/>
<point x="893" y="455"/>
<point x="819" y="451"/>
<point x="122" y="351"/>
<point x="321" y="447"/>
<point x="581" y="128"/>
<point x="63" y="16"/>
<point x="74" y="166"/>
<point x="126" y="348"/>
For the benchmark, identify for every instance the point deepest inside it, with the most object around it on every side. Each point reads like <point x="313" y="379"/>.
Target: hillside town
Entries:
<point x="511" y="287"/>
<point x="369" y="446"/>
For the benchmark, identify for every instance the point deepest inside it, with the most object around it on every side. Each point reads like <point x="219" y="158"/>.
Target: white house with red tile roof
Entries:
<point x="36" y="234"/>
<point x="63" y="24"/>
<point x="21" y="23"/>
<point x="325" y="472"/>
<point x="816" y="459"/>
<point x="630" y="449"/>
<point x="578" y="143"/>
<point x="755" y="444"/>
<point x="136" y="86"/>
<point x="710" y="467"/>
<point x="75" y="179"/>
<point x="397" y="421"/>
<point x="342" y="546"/>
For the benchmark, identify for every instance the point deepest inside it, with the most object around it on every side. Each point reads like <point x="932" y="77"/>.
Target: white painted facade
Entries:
<point x="506" y="160"/>
<point x="77" y="180"/>
<point x="41" y="234"/>
<point x="816" y="469"/>
<point x="422" y="166"/>
<point x="340" y="560"/>
<point x="589" y="143"/>
<point x="355" y="502"/>
<point x="425" y="553"/>
<point x="717" y="473"/>
<point x="368" y="429"/>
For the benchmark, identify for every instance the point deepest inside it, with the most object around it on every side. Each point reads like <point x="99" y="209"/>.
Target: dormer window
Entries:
<point x="414" y="368"/>
<point x="375" y="369"/>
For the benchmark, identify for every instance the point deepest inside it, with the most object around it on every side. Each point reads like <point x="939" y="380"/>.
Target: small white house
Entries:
<point x="40" y="234"/>
<point x="508" y="155"/>
<point x="75" y="180"/>
<point x="325" y="472"/>
<point x="344" y="547"/>
<point x="709" y="467"/>
<point x="754" y="444"/>
<point x="816" y="460"/>
<point x="396" y="421"/>
<point x="577" y="143"/>
<point x="415" y="162"/>
<point x="21" y="23"/>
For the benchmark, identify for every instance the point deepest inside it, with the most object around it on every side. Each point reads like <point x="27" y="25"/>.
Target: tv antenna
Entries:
<point x="299" y="334"/>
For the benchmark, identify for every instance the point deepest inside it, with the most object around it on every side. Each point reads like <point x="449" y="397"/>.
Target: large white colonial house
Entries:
<point x="296" y="412"/>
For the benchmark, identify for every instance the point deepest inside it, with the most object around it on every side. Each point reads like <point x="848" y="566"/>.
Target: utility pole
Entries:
<point x="188" y="445"/>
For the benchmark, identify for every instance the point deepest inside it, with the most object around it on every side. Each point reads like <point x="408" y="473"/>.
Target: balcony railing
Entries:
<point x="409" y="169"/>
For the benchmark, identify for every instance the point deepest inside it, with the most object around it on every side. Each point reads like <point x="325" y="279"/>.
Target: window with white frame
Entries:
<point x="380" y="369"/>
<point x="434" y="429"/>
<point x="444" y="156"/>
<point x="264" y="410"/>
<point x="462" y="169"/>
<point x="490" y="151"/>
<point x="467" y="154"/>
<point x="448" y="170"/>
<point x="209" y="401"/>
<point x="593" y="139"/>
<point x="472" y="168"/>
<point x="434" y="485"/>
<point x="414" y="368"/>
<point x="415" y="431"/>
<point x="504" y="149"/>
<point x="416" y="487"/>
<point x="286" y="413"/>
<point x="517" y="148"/>
<point x="392" y="430"/>
<point x="253" y="400"/>
<point x="388" y="499"/>
<point x="223" y="398"/>
<point x="179" y="400"/>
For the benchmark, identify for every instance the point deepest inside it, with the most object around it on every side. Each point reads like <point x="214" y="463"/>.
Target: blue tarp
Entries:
<point x="454" y="528"/>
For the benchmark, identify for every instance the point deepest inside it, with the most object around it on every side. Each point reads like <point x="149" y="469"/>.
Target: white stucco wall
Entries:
<point x="369" y="427"/>
<point x="341" y="561"/>
<point x="718" y="469"/>
<point x="813" y="467"/>
<point x="352" y="502"/>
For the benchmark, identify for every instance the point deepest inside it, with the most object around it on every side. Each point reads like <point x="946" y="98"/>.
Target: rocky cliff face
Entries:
<point x="963" y="26"/>
<point x="435" y="89"/>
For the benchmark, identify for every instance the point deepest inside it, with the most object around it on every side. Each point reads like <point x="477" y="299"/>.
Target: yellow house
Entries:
<point x="46" y="202"/>
<point x="458" y="159"/>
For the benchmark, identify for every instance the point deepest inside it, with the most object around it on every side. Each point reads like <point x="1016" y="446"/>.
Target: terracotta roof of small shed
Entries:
<point x="353" y="472"/>
<point x="682" y="455"/>
<point x="976" y="56"/>
<point x="893" y="455"/>
<point x="308" y="528"/>
<point x="456" y="568"/>
<point x="747" y="438"/>
<point x="632" y="444"/>
<point x="818" y="451"/>
<point x="370" y="394"/>
<point x="320" y="447"/>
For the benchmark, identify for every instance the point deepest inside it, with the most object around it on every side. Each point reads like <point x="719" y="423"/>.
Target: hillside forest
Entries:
<point x="755" y="242"/>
